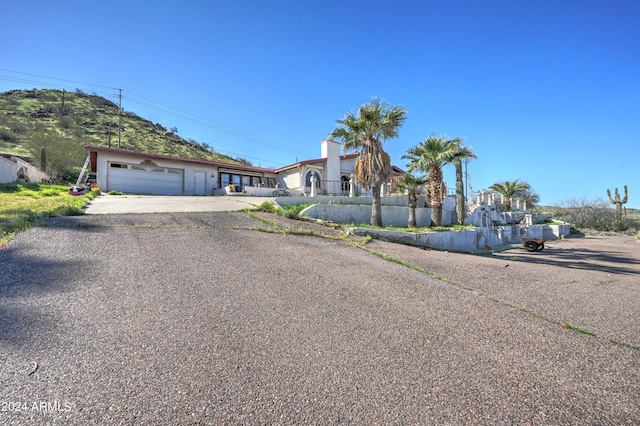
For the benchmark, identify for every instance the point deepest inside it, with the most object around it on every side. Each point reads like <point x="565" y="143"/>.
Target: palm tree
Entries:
<point x="530" y="197"/>
<point x="462" y="154"/>
<point x="374" y="123"/>
<point x="411" y="184"/>
<point x="509" y="189"/>
<point x="430" y="156"/>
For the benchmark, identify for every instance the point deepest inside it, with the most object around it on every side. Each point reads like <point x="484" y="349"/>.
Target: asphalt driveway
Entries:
<point x="202" y="318"/>
<point x="122" y="204"/>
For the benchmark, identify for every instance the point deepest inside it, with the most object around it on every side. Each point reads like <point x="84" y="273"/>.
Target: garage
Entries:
<point x="144" y="178"/>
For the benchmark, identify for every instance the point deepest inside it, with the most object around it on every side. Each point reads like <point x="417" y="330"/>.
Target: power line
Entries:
<point x="58" y="79"/>
<point x="186" y="116"/>
<point x="41" y="83"/>
<point x="217" y="127"/>
<point x="200" y="121"/>
<point x="213" y="125"/>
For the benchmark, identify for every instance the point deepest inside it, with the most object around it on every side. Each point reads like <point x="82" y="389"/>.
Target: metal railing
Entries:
<point x="334" y="187"/>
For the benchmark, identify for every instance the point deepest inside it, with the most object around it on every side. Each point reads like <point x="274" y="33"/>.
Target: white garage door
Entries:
<point x="144" y="179"/>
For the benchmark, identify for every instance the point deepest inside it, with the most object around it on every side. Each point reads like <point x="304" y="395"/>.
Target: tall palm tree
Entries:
<point x="509" y="189"/>
<point x="374" y="123"/>
<point x="463" y="153"/>
<point x="430" y="156"/>
<point x="411" y="184"/>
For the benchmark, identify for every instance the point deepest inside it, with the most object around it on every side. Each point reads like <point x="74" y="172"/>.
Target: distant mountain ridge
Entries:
<point x="87" y="119"/>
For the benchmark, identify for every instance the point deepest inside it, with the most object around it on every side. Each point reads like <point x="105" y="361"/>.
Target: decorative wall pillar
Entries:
<point x="314" y="179"/>
<point x="528" y="219"/>
<point x="352" y="189"/>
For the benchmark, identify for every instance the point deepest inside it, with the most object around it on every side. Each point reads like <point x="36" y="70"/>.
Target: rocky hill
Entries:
<point x="30" y="119"/>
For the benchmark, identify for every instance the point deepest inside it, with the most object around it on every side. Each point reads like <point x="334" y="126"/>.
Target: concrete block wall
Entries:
<point x="391" y="215"/>
<point x="472" y="241"/>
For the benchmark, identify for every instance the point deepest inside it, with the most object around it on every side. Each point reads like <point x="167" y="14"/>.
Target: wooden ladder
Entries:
<point x="83" y="171"/>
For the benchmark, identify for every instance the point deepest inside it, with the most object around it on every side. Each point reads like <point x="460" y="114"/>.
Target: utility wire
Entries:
<point x="41" y="83"/>
<point x="217" y="127"/>
<point x="183" y="114"/>
<point x="58" y="79"/>
<point x="214" y="125"/>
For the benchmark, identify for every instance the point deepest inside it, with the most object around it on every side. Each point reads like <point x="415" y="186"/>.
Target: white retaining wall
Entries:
<point x="346" y="214"/>
<point x="477" y="240"/>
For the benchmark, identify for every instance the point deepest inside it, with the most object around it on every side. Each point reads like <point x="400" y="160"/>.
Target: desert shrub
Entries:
<point x="267" y="207"/>
<point x="595" y="215"/>
<point x="293" y="212"/>
<point x="584" y="213"/>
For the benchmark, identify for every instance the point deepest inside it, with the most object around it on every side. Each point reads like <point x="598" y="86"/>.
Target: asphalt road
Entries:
<point x="201" y="318"/>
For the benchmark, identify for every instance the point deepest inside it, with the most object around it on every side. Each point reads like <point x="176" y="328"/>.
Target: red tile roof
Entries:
<point x="128" y="153"/>
<point x="316" y="160"/>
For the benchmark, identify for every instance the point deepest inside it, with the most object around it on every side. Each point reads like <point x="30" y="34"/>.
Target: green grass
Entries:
<point x="23" y="206"/>
<point x="288" y="211"/>
<point x="293" y="212"/>
<point x="577" y="329"/>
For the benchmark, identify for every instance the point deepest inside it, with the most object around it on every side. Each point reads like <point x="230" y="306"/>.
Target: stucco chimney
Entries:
<point x="329" y="148"/>
<point x="331" y="151"/>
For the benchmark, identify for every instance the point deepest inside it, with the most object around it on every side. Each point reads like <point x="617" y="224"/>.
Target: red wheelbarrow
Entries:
<point x="533" y="244"/>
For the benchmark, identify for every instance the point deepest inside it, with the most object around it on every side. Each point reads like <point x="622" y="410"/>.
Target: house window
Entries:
<point x="118" y="165"/>
<point x="235" y="180"/>
<point x="225" y="179"/>
<point x="240" y="182"/>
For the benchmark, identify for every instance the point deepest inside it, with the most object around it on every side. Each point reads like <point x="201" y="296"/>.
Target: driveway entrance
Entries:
<point x="118" y="204"/>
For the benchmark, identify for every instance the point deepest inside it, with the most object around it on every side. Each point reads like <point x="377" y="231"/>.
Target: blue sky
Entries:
<point x="546" y="91"/>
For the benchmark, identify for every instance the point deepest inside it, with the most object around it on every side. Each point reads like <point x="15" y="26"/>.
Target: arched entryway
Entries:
<point x="345" y="185"/>
<point x="307" y="179"/>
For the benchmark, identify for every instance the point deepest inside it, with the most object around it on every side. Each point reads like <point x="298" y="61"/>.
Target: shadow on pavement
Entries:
<point x="614" y="262"/>
<point x="27" y="277"/>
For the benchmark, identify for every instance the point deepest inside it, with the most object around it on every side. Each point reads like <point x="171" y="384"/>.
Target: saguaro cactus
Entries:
<point x="617" y="201"/>
<point x="43" y="159"/>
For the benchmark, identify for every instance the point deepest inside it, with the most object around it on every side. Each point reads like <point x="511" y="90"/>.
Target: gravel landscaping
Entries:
<point x="201" y="318"/>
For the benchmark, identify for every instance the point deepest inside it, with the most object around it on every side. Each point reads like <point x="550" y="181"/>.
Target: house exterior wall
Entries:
<point x="35" y="174"/>
<point x="347" y="165"/>
<point x="290" y="179"/>
<point x="9" y="168"/>
<point x="198" y="178"/>
<point x="333" y="171"/>
<point x="104" y="160"/>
